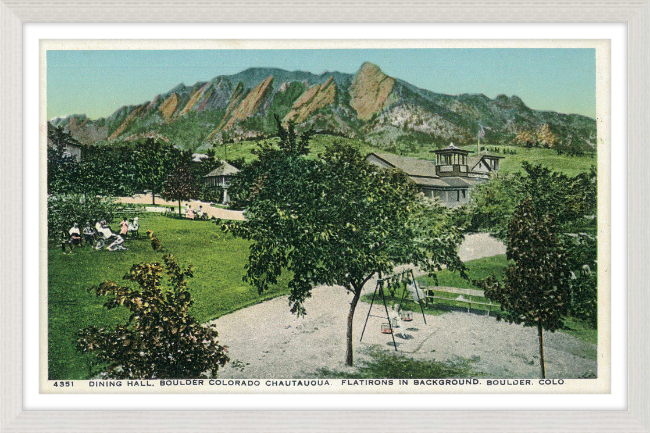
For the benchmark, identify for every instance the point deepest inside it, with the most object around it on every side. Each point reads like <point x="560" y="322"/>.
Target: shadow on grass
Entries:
<point x="389" y="365"/>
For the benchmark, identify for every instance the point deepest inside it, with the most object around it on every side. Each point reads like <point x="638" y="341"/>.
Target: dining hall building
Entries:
<point x="450" y="178"/>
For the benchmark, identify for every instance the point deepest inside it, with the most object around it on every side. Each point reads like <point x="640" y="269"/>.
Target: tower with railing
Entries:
<point x="451" y="161"/>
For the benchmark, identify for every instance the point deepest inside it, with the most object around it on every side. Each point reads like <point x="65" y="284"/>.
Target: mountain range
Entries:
<point x="368" y="105"/>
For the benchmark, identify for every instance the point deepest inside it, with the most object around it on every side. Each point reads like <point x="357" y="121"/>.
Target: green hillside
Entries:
<point x="570" y="165"/>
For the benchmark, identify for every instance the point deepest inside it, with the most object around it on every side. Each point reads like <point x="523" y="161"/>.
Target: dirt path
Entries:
<point x="207" y="208"/>
<point x="267" y="341"/>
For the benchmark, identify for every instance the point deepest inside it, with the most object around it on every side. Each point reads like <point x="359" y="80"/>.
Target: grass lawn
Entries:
<point x="476" y="270"/>
<point x="569" y="165"/>
<point x="390" y="365"/>
<point x="217" y="287"/>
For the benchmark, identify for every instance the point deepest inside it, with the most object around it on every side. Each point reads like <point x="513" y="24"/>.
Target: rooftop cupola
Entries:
<point x="451" y="161"/>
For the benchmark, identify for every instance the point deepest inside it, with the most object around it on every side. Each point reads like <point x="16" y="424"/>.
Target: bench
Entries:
<point x="430" y="294"/>
<point x="128" y="210"/>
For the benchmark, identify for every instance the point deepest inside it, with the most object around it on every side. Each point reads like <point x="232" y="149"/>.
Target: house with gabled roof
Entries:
<point x="483" y="165"/>
<point x="449" y="178"/>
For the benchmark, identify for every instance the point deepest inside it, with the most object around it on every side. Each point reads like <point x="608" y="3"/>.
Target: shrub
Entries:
<point x="161" y="339"/>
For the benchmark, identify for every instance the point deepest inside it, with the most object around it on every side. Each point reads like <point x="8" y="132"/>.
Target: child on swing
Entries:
<point x="393" y="315"/>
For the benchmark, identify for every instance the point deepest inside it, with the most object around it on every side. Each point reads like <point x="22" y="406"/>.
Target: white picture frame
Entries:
<point x="13" y="13"/>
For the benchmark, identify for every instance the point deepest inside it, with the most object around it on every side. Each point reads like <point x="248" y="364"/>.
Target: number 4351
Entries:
<point x="65" y="384"/>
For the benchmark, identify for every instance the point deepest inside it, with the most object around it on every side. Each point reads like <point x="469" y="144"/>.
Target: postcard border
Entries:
<point x="12" y="15"/>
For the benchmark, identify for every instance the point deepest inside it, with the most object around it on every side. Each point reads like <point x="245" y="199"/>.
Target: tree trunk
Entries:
<point x="179" y="209"/>
<point x="540" y="332"/>
<point x="353" y="305"/>
<point x="153" y="196"/>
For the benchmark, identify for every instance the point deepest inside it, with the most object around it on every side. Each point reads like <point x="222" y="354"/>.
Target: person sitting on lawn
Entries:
<point x="134" y="226"/>
<point x="104" y="232"/>
<point x="117" y="244"/>
<point x="124" y="227"/>
<point x="199" y="213"/>
<point x="75" y="236"/>
<point x="98" y="226"/>
<point x="190" y="213"/>
<point x="89" y="233"/>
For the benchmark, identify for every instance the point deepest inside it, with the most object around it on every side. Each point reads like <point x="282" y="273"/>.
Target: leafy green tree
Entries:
<point x="153" y="161"/>
<point x="536" y="287"/>
<point x="62" y="168"/>
<point x="334" y="220"/>
<point x="161" y="339"/>
<point x="582" y="252"/>
<point x="570" y="200"/>
<point x="107" y="170"/>
<point x="290" y="141"/>
<point x="493" y="203"/>
<point x="102" y="170"/>
<point x="64" y="210"/>
<point x="180" y="185"/>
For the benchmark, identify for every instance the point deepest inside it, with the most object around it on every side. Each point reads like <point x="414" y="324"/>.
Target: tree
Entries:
<point x="334" y="220"/>
<point x="102" y="170"/>
<point x="64" y="210"/>
<point x="582" y="252"/>
<point x="107" y="170"/>
<point x="570" y="200"/>
<point x="536" y="288"/>
<point x="62" y="167"/>
<point x="161" y="339"/>
<point x="180" y="185"/>
<point x="153" y="162"/>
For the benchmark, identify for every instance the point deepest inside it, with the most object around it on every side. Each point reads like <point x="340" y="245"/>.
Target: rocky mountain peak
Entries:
<point x="371" y="91"/>
<point x="369" y="68"/>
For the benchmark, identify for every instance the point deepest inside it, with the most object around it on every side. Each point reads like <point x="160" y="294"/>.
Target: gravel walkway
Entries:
<point x="207" y="208"/>
<point x="267" y="341"/>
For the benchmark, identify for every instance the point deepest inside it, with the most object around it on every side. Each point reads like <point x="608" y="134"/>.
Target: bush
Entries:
<point x="211" y="194"/>
<point x="64" y="210"/>
<point x="160" y="339"/>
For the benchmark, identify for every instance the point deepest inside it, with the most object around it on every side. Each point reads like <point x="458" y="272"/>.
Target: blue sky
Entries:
<point x="97" y="83"/>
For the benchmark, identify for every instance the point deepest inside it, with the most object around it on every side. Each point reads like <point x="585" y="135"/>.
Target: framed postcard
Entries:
<point x="245" y="219"/>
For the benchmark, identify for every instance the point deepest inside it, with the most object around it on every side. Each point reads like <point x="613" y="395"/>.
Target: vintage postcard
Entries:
<point x="325" y="216"/>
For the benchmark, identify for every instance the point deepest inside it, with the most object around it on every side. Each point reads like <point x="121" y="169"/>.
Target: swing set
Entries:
<point x="405" y="280"/>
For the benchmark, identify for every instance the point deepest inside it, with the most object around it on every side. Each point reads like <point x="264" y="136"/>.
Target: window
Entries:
<point x="464" y="192"/>
<point x="458" y="195"/>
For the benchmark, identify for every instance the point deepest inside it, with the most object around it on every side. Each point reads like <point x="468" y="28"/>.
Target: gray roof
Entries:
<point x="423" y="172"/>
<point x="475" y="159"/>
<point x="224" y="170"/>
<point x="491" y="155"/>
<point x="444" y="182"/>
<point x="458" y="182"/>
<point x="451" y="148"/>
<point x="429" y="181"/>
<point x="410" y="166"/>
